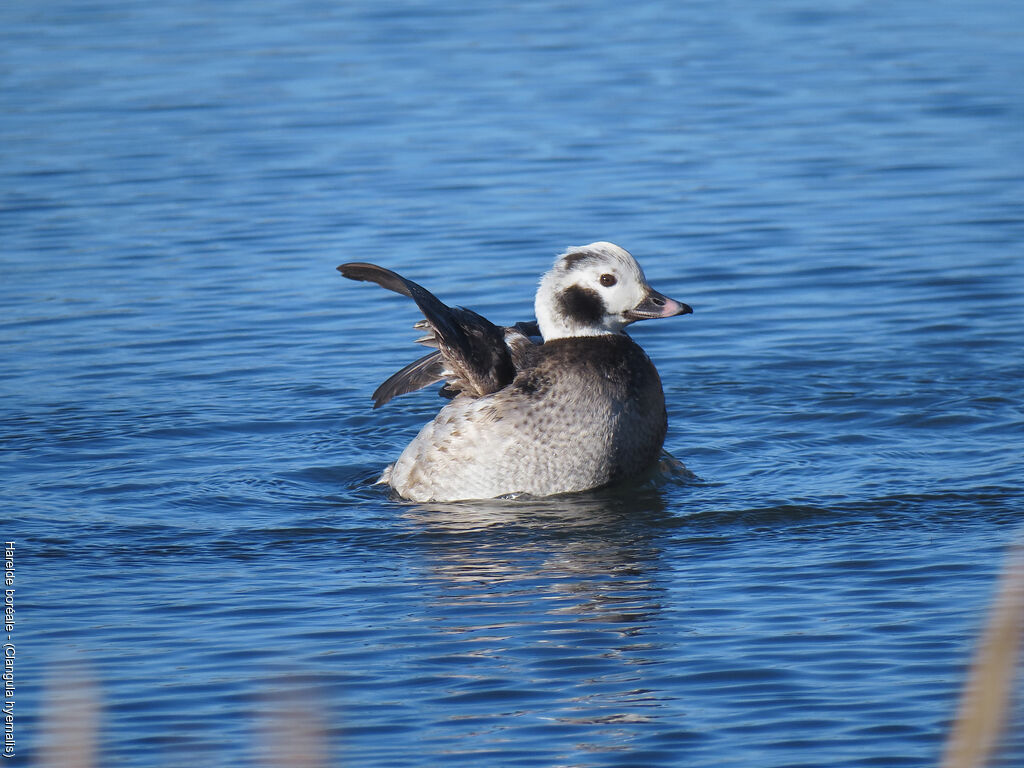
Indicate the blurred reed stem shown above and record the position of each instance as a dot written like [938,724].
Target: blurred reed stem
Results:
[988,692]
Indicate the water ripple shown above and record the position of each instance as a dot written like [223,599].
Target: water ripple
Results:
[189,448]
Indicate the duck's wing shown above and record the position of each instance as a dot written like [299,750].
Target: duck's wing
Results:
[522,340]
[473,356]
[416,375]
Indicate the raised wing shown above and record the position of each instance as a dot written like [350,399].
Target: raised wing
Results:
[473,357]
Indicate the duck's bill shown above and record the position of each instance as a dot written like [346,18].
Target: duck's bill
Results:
[656,305]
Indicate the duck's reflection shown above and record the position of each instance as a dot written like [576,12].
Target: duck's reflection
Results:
[557,599]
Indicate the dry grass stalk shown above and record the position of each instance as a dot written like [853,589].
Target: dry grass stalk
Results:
[294,735]
[987,694]
[71,724]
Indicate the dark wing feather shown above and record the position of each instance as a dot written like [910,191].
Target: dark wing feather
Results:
[530,329]
[422,373]
[474,358]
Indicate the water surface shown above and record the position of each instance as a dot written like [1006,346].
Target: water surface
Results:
[189,447]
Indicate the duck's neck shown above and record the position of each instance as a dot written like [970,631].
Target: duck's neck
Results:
[555,325]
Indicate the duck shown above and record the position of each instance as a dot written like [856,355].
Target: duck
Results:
[565,403]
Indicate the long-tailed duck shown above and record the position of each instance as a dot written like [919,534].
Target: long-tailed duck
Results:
[582,409]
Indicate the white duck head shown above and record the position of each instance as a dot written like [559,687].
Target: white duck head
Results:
[597,289]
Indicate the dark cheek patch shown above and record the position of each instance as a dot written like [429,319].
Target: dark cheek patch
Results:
[582,305]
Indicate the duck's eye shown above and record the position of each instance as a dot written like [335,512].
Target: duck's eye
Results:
[608,280]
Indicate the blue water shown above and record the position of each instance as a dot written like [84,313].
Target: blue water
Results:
[838,190]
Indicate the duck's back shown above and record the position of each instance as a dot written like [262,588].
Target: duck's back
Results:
[590,411]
